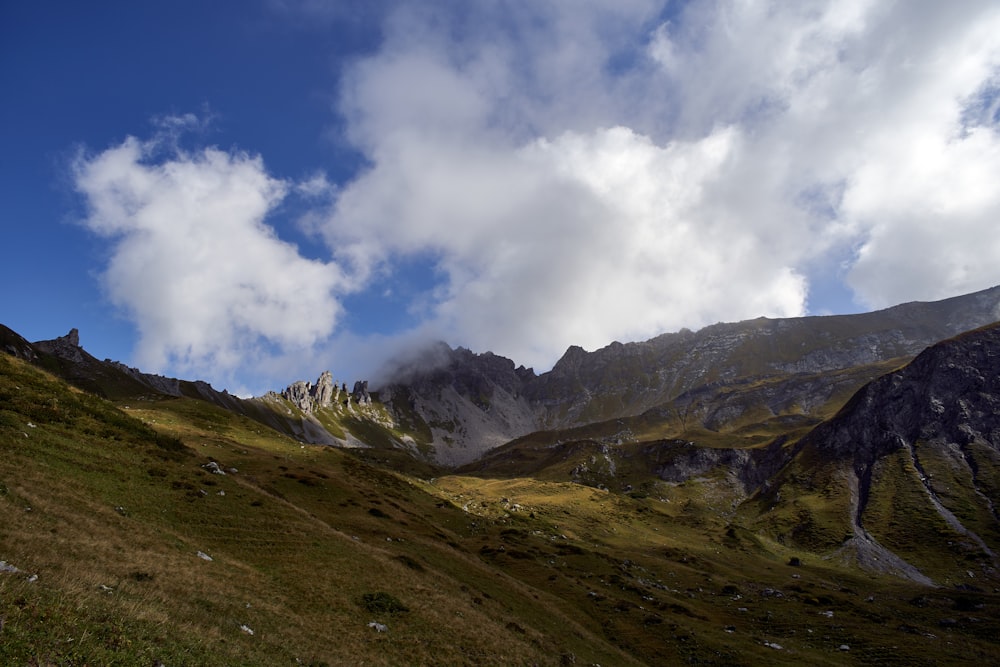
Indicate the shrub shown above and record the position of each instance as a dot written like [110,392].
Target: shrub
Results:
[382,603]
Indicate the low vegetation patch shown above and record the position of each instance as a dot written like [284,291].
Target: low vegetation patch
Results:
[382,603]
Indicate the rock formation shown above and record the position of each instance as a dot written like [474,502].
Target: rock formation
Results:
[64,347]
[360,393]
[310,397]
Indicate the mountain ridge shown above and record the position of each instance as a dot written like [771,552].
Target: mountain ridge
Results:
[627,379]
[451,406]
[820,516]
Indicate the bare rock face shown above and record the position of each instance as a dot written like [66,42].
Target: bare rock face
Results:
[65,347]
[310,397]
[474,402]
[470,402]
[300,394]
[326,391]
[360,393]
[949,393]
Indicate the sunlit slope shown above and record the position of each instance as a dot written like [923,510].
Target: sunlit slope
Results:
[112,514]
[311,544]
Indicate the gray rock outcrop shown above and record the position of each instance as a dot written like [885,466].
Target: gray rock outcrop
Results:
[64,347]
[310,397]
[360,393]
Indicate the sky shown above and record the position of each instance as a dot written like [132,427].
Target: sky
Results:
[251,192]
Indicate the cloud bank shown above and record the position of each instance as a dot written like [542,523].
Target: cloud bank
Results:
[584,172]
[599,172]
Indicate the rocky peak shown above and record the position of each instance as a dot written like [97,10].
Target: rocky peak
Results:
[309,397]
[438,365]
[64,347]
[300,394]
[326,391]
[360,393]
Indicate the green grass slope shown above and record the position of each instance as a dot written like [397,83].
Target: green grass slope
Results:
[308,547]
[107,508]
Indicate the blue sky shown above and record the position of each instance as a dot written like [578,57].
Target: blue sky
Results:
[253,192]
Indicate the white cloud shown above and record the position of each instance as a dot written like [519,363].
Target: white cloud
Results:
[571,237]
[577,240]
[595,172]
[868,102]
[207,283]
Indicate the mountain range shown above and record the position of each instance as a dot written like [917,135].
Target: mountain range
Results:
[868,445]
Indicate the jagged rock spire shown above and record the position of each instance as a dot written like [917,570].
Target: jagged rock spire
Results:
[309,397]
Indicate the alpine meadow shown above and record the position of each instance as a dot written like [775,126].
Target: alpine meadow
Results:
[512,333]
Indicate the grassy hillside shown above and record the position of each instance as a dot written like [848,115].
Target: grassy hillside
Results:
[112,506]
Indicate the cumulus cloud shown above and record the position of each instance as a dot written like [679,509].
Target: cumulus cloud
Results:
[208,284]
[885,110]
[613,170]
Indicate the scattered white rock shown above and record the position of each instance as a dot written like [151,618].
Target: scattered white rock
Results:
[378,627]
[773,645]
[221,493]
[204,556]
[214,468]
[33,578]
[245,628]
[106,589]
[844,647]
[828,614]
[7,567]
[30,425]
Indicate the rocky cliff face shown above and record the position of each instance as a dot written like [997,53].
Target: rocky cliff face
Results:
[949,393]
[716,375]
[310,397]
[918,453]
[469,402]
